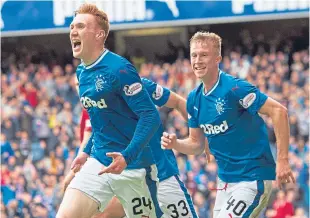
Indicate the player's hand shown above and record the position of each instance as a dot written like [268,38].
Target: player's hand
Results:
[117,166]
[79,161]
[168,141]
[284,172]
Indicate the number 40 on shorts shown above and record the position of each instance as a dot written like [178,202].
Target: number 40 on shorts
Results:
[238,208]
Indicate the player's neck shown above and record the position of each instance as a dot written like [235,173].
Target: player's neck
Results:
[93,57]
[210,80]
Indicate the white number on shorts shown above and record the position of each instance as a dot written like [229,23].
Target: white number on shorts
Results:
[175,210]
[236,211]
[140,201]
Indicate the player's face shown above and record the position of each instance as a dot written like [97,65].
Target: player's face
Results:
[83,30]
[204,58]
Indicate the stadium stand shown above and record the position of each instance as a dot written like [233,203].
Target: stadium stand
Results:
[40,113]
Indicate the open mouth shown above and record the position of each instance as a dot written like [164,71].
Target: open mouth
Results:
[76,44]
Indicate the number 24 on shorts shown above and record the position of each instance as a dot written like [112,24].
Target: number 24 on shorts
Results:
[138,202]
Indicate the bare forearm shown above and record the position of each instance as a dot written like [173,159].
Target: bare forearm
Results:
[189,146]
[87,135]
[177,102]
[181,107]
[282,132]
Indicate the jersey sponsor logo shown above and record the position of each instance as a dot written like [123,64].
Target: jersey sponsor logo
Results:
[88,102]
[99,81]
[132,89]
[248,100]
[219,105]
[158,93]
[214,129]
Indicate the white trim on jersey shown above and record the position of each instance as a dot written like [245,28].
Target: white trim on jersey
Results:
[98,60]
[216,84]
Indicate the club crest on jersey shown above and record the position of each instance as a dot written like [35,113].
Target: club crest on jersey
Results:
[99,81]
[219,105]
[132,89]
[158,93]
[248,100]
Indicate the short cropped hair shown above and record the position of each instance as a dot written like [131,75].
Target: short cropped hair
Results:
[215,39]
[101,17]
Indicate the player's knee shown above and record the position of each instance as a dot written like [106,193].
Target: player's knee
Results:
[107,214]
[64,214]
[65,211]
[102,215]
[76,212]
[76,204]
[70,214]
[61,216]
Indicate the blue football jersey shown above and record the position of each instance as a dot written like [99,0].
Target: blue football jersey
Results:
[237,135]
[165,160]
[111,91]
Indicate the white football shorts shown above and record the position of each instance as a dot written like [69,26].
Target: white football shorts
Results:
[174,199]
[243,199]
[136,189]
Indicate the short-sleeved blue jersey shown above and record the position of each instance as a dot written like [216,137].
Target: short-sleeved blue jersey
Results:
[111,91]
[237,135]
[165,160]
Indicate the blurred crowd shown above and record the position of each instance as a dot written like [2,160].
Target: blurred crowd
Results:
[40,113]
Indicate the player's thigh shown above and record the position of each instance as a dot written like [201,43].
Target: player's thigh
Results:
[221,197]
[113,210]
[248,199]
[77,204]
[174,199]
[95,186]
[137,192]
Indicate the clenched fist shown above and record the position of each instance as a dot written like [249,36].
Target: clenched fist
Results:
[168,141]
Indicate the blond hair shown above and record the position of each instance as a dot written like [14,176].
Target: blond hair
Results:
[101,16]
[215,39]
